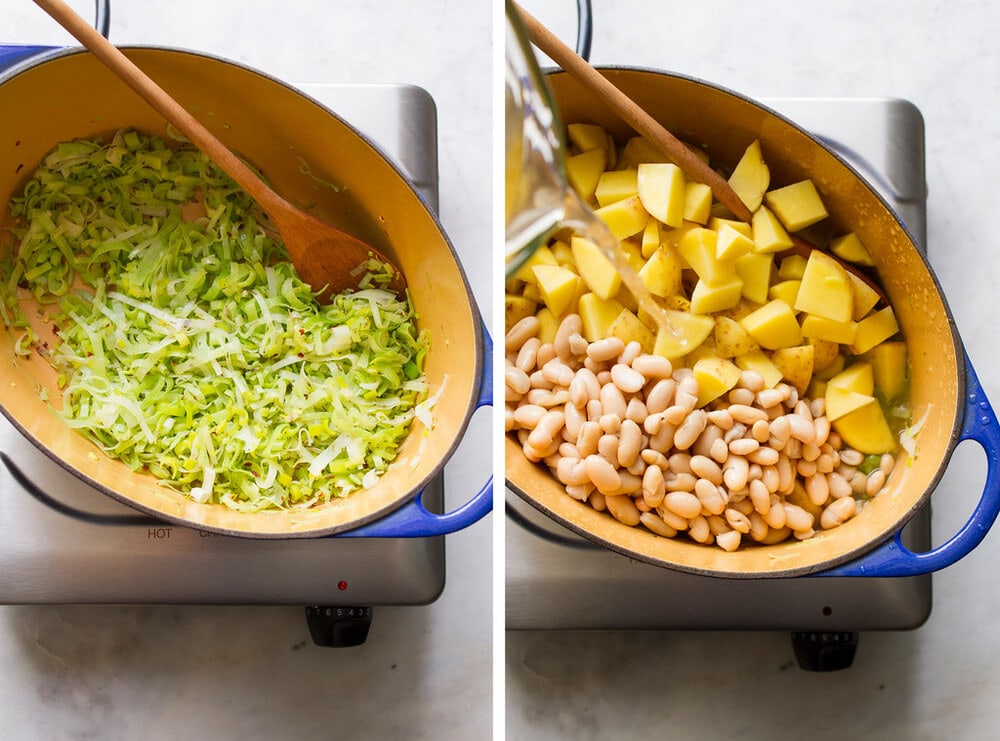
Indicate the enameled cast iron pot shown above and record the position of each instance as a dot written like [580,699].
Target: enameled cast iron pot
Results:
[945,393]
[63,95]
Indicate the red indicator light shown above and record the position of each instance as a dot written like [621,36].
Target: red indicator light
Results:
[342,585]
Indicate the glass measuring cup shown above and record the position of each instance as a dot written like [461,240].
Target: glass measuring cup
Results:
[539,200]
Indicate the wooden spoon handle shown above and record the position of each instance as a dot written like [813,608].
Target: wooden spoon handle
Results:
[165,105]
[632,114]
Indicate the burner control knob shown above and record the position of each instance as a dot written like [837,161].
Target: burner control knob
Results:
[824,651]
[337,627]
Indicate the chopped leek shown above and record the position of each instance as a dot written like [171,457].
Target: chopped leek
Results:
[190,348]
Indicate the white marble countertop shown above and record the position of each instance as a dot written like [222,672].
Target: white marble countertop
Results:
[225,672]
[941,680]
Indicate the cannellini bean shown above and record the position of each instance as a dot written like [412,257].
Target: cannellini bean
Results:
[517,380]
[760,497]
[527,415]
[573,419]
[837,513]
[751,380]
[636,411]
[736,472]
[630,443]
[802,429]
[581,492]
[876,480]
[682,503]
[741,396]
[672,518]
[653,487]
[690,429]
[653,366]
[626,378]
[520,332]
[822,425]
[508,418]
[703,445]
[610,423]
[747,414]
[654,523]
[706,468]
[737,520]
[569,326]
[797,518]
[775,515]
[623,509]
[606,349]
[818,489]
[851,457]
[612,400]
[631,484]
[632,350]
[572,472]
[597,501]
[729,541]
[607,447]
[527,354]
[717,524]
[767,398]
[764,456]
[744,446]
[887,463]
[761,431]
[699,530]
[710,496]
[558,373]
[655,458]
[547,429]
[663,439]
[578,344]
[719,452]
[679,481]
[587,438]
[602,473]
[839,488]
[758,528]
[722,419]
[661,395]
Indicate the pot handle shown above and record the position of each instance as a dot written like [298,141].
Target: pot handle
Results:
[893,558]
[413,520]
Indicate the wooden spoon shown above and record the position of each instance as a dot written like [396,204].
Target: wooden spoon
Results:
[322,254]
[651,129]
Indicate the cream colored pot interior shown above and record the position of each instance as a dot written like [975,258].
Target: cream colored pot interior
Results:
[726,123]
[282,132]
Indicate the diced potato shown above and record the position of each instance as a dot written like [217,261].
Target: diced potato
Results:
[583,171]
[651,238]
[821,328]
[595,269]
[773,325]
[531,292]
[597,315]
[662,191]
[717,222]
[548,324]
[708,298]
[616,185]
[768,233]
[824,353]
[632,249]
[624,218]
[859,378]
[732,244]
[865,297]
[757,360]
[692,330]
[850,248]
[542,256]
[697,202]
[792,267]
[796,365]
[797,205]
[698,247]
[751,177]
[873,329]
[833,368]
[826,290]
[731,339]
[586,136]
[563,254]
[841,401]
[628,328]
[662,272]
[638,151]
[889,367]
[755,272]
[517,308]
[715,377]
[866,430]
[558,286]
[786,290]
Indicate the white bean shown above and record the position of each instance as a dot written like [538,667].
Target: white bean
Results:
[690,429]
[520,332]
[527,354]
[682,503]
[602,473]
[606,349]
[837,513]
[626,378]
[653,366]
[654,523]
